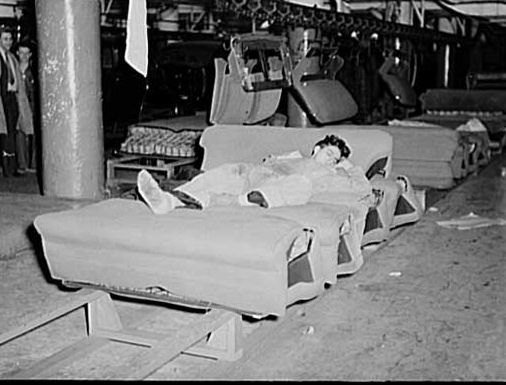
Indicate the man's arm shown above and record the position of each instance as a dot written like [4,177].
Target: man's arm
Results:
[287,155]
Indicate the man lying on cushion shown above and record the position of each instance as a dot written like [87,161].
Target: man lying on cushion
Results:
[283,180]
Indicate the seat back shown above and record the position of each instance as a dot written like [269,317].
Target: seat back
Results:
[238,143]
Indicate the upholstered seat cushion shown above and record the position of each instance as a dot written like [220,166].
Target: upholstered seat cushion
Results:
[423,142]
[236,257]
[227,256]
[326,218]
[429,155]
[340,228]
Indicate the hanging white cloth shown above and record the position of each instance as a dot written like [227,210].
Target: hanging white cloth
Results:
[136,52]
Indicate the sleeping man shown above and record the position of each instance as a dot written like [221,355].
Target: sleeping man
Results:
[283,180]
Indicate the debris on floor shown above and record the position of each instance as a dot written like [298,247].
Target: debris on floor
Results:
[471,221]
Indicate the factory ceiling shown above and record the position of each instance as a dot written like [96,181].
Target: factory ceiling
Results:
[486,10]
[370,15]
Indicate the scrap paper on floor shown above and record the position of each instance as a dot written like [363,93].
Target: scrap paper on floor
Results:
[471,221]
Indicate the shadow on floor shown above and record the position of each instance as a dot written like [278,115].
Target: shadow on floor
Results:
[26,184]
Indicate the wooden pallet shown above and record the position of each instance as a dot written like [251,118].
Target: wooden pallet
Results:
[125,168]
[216,333]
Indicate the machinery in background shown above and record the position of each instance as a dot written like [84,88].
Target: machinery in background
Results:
[179,81]
[181,73]
[486,80]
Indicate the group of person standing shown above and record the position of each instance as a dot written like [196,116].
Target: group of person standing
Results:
[18,144]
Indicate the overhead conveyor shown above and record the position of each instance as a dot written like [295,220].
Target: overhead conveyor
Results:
[285,13]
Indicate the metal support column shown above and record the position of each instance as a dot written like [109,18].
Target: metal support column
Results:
[68,34]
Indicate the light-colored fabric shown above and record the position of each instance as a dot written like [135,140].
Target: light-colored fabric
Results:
[251,144]
[231,104]
[439,175]
[409,207]
[494,123]
[327,219]
[233,257]
[435,143]
[286,190]
[284,181]
[231,179]
[430,155]
[472,125]
[136,51]
[25,121]
[327,100]
[469,134]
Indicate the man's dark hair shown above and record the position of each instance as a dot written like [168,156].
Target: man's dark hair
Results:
[5,28]
[26,43]
[332,140]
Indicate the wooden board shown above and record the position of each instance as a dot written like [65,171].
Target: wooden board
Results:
[215,333]
[125,169]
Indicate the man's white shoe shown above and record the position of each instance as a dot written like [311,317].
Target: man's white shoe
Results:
[159,201]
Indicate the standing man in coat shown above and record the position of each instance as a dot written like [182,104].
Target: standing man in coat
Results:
[24,53]
[16,119]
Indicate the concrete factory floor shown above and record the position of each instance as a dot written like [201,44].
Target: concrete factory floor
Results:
[429,304]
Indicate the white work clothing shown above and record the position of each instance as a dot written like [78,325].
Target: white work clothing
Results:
[282,181]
